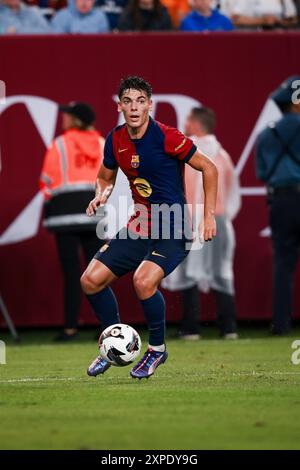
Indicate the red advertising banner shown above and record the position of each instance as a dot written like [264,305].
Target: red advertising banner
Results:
[232,73]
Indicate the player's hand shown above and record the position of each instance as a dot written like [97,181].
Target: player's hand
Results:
[99,200]
[210,227]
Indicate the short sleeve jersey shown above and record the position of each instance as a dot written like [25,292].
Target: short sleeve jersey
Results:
[154,164]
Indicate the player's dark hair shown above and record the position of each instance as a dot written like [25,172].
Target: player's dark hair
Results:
[135,83]
[207,117]
[133,11]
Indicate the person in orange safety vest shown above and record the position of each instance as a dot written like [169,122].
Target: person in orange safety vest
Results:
[209,268]
[67,181]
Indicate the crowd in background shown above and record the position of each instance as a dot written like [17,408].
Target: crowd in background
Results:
[102,16]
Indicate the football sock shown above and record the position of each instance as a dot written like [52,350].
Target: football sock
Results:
[155,312]
[160,348]
[105,306]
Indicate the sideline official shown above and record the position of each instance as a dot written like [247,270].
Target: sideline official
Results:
[278,165]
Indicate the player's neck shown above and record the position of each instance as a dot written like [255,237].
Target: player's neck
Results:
[137,132]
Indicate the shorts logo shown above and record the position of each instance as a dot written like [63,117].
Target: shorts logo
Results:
[104,248]
[135,161]
[154,253]
[143,187]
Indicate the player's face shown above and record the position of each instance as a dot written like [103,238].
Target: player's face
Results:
[135,106]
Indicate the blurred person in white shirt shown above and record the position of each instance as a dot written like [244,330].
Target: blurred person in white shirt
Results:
[209,268]
[260,14]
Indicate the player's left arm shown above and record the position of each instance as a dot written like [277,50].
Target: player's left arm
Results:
[181,147]
[209,171]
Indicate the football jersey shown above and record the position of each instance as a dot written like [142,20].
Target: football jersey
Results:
[154,165]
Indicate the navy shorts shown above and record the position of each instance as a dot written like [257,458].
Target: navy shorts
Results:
[124,254]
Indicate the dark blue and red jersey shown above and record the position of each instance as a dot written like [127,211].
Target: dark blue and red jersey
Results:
[154,164]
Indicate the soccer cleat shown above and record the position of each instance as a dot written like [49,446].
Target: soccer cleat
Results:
[99,366]
[147,365]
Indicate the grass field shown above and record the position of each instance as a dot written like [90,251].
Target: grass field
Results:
[209,395]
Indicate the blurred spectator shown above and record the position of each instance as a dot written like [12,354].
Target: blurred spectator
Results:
[260,13]
[145,15]
[212,267]
[18,18]
[278,166]
[68,184]
[205,18]
[177,9]
[297,4]
[80,17]
[113,10]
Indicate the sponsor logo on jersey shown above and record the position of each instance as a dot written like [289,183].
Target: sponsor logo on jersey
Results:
[143,187]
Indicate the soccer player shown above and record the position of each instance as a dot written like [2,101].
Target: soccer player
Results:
[152,156]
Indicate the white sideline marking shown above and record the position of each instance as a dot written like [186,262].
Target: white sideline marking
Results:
[88,380]
[43,379]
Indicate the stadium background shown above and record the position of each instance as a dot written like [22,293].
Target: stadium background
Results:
[233,74]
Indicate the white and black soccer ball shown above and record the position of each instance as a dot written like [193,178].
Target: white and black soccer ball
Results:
[120,344]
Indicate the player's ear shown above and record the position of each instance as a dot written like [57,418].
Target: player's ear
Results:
[119,107]
[151,105]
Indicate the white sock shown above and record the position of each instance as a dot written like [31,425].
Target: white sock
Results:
[160,348]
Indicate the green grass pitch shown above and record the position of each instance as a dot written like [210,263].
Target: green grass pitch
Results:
[210,394]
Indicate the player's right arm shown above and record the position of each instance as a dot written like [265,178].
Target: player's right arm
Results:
[104,185]
[106,178]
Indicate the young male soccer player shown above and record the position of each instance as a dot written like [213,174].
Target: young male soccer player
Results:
[152,156]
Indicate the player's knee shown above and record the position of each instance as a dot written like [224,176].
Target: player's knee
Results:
[144,287]
[90,284]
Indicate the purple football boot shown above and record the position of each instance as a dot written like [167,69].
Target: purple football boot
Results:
[99,366]
[147,365]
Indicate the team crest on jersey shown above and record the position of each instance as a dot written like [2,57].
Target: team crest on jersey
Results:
[135,161]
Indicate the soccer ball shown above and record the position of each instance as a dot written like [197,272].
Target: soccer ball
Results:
[120,344]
